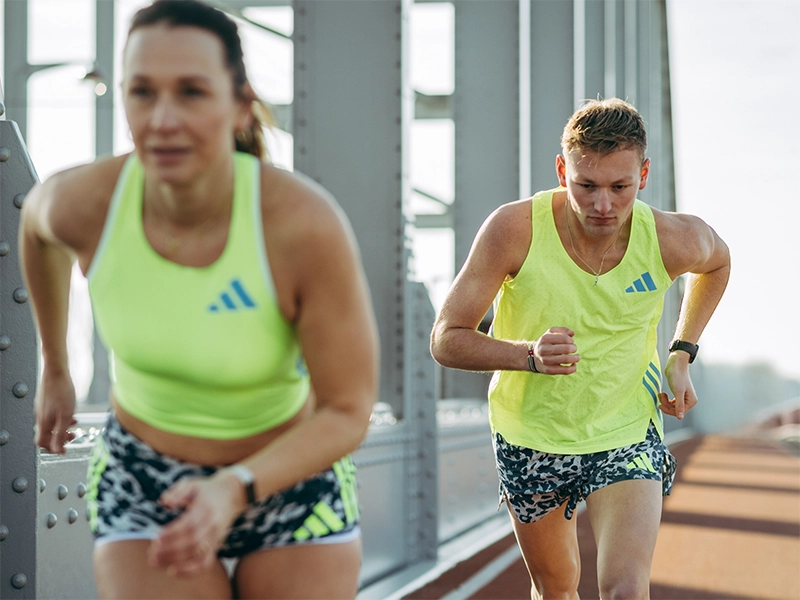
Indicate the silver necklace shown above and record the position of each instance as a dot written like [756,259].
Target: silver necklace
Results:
[575,252]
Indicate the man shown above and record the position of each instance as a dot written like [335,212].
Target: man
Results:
[578,275]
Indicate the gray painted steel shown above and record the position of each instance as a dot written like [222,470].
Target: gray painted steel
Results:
[487,136]
[103,145]
[18,371]
[397,464]
[467,475]
[552,94]
[594,50]
[486,114]
[64,541]
[352,111]
[15,52]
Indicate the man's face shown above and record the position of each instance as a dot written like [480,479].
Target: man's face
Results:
[601,188]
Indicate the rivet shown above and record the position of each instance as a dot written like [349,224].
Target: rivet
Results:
[62,491]
[18,199]
[19,580]
[19,485]
[5,342]
[4,437]
[3,532]
[42,485]
[81,490]
[72,515]
[5,248]
[50,520]
[20,390]
[5,154]
[20,295]
[88,514]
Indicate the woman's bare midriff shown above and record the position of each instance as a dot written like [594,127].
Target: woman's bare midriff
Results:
[204,451]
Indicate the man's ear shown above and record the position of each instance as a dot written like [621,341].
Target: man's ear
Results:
[644,173]
[561,170]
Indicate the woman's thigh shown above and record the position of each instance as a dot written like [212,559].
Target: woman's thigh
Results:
[324,571]
[121,571]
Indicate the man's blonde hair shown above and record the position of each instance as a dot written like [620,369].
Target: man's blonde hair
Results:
[605,126]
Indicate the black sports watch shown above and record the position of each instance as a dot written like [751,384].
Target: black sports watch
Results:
[688,347]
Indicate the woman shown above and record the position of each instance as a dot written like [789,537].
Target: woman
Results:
[226,290]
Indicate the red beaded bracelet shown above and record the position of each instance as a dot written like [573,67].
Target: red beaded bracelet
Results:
[532,360]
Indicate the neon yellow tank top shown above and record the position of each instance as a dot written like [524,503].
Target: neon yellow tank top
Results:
[202,352]
[610,400]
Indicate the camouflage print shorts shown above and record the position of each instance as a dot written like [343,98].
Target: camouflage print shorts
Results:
[126,478]
[536,483]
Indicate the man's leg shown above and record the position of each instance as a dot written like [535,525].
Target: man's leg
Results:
[550,549]
[625,517]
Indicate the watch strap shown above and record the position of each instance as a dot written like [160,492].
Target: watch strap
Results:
[688,347]
[248,480]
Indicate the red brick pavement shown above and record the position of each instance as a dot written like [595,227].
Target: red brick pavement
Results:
[730,530]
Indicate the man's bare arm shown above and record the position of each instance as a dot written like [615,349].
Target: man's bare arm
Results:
[690,246]
[499,250]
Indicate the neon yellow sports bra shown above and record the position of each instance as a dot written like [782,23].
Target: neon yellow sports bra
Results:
[202,352]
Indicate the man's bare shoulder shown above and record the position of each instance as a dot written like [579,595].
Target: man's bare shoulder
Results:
[510,222]
[503,240]
[688,244]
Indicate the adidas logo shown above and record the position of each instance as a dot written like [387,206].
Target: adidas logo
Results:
[645,283]
[233,299]
[641,462]
[322,521]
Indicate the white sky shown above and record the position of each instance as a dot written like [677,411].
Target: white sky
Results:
[734,76]
[735,66]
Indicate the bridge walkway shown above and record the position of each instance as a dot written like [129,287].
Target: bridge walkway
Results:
[730,530]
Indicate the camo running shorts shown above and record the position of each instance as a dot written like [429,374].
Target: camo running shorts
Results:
[126,478]
[536,483]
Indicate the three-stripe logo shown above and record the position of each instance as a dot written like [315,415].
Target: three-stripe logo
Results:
[641,462]
[232,299]
[645,283]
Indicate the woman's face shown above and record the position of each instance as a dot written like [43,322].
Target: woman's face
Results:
[180,102]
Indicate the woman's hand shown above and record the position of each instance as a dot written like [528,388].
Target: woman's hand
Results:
[189,544]
[55,409]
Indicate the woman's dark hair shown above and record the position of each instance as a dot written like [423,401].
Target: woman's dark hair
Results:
[192,13]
